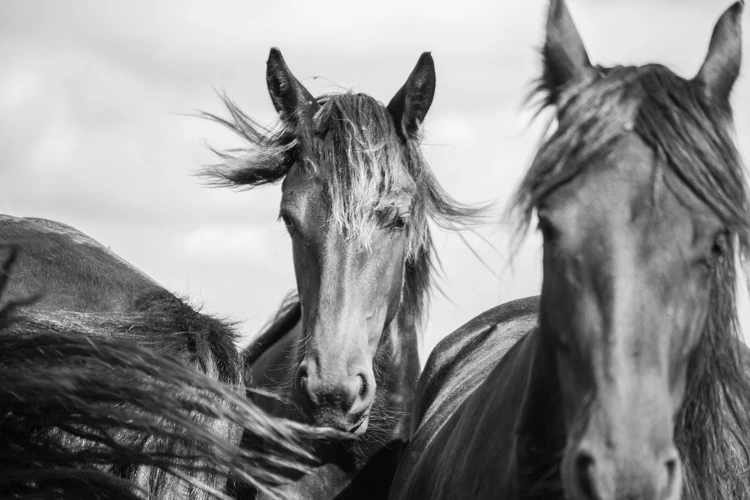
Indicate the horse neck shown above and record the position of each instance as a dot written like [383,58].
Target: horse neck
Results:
[397,368]
[397,360]
[540,428]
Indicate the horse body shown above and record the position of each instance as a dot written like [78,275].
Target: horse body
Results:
[80,285]
[69,270]
[93,409]
[632,379]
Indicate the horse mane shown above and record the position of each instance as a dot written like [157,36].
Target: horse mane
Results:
[164,323]
[82,410]
[367,167]
[693,136]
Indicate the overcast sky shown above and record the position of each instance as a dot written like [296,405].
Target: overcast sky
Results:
[93,98]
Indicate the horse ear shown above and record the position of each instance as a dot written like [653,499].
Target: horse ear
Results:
[410,104]
[722,64]
[291,99]
[564,55]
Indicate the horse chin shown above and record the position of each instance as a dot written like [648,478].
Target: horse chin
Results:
[343,423]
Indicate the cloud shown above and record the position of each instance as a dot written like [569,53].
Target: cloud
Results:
[90,95]
[17,88]
[226,243]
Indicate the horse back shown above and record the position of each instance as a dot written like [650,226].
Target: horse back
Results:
[68,270]
[452,392]
[83,287]
[470,352]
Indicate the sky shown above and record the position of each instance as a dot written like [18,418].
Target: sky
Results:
[96,131]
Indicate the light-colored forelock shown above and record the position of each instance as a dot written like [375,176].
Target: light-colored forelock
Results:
[365,166]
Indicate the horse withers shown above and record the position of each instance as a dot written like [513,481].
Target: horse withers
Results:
[628,380]
[356,200]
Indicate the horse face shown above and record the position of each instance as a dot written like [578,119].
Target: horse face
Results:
[629,256]
[625,296]
[347,204]
[349,294]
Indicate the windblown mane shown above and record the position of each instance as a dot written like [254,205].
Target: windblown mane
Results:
[366,166]
[693,137]
[82,407]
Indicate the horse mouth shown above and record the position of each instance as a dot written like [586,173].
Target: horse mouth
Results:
[360,427]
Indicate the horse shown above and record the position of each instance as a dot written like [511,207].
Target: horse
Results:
[627,377]
[357,196]
[115,388]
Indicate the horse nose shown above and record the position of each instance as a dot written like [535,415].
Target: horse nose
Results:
[598,478]
[341,401]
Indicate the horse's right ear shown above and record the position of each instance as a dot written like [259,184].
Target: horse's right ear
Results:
[291,99]
[410,104]
[564,55]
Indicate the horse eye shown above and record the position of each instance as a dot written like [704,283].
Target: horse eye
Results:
[719,250]
[721,245]
[288,223]
[399,222]
[549,232]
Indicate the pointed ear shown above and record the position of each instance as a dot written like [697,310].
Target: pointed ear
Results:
[722,64]
[563,55]
[291,99]
[410,104]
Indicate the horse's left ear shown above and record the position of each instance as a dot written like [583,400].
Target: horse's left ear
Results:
[564,56]
[722,64]
[410,104]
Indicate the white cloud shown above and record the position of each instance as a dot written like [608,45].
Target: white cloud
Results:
[232,243]
[16,88]
[448,129]
[56,145]
[90,134]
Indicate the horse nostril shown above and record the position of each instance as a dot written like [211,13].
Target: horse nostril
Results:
[673,477]
[362,386]
[584,475]
[302,378]
[303,387]
[671,467]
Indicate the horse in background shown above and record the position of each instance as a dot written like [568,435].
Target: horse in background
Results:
[357,197]
[627,378]
[115,388]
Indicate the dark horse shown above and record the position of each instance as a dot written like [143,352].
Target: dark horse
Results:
[112,387]
[625,379]
[357,197]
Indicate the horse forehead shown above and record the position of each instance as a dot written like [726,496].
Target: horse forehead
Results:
[300,189]
[626,172]
[631,184]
